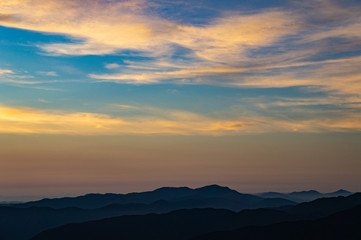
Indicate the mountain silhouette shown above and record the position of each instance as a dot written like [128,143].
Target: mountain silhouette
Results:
[177,225]
[212,196]
[341,225]
[34,217]
[304,196]
[324,206]
[165,193]
[185,224]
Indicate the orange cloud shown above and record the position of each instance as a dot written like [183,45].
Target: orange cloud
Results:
[5,71]
[220,51]
[34,121]
[28,120]
[125,25]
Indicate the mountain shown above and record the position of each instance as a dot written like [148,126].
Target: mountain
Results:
[323,206]
[177,225]
[166,193]
[340,192]
[304,196]
[34,217]
[185,224]
[342,225]
[212,196]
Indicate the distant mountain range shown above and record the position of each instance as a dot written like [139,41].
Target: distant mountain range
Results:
[222,197]
[303,196]
[240,200]
[36,216]
[188,224]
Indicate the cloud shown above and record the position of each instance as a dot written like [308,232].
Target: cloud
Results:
[22,82]
[124,107]
[126,25]
[5,71]
[14,78]
[117,24]
[49,74]
[336,76]
[156,76]
[112,65]
[228,39]
[28,120]
[6,18]
[270,48]
[34,121]
[352,102]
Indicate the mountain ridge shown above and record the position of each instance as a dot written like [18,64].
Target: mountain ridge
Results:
[185,224]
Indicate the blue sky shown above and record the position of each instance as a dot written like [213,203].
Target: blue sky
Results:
[243,62]
[254,59]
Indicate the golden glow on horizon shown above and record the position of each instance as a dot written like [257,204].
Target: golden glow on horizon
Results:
[29,120]
[49,164]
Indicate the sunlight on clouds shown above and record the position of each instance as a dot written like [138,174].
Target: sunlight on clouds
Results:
[21,82]
[154,76]
[305,45]
[116,24]
[104,28]
[5,71]
[352,102]
[227,39]
[112,65]
[341,76]
[49,74]
[28,120]
[12,78]
[34,121]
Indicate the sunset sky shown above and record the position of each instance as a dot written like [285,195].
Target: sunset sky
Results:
[131,95]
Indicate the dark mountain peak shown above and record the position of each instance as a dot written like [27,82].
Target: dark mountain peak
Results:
[271,193]
[171,189]
[341,191]
[310,192]
[213,187]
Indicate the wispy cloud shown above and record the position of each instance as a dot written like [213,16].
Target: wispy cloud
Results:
[49,74]
[5,71]
[308,46]
[124,107]
[14,78]
[124,25]
[29,120]
[112,65]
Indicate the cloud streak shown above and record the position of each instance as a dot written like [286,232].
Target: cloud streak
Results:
[217,52]
[35,121]
[5,71]
[124,25]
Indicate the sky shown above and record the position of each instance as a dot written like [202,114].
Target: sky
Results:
[131,95]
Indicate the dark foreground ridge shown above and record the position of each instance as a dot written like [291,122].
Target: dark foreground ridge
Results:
[342,225]
[188,224]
